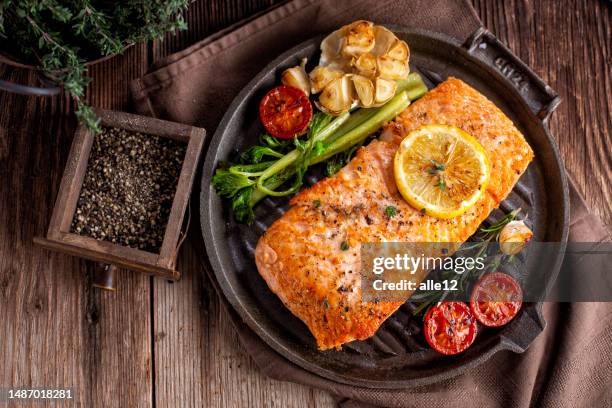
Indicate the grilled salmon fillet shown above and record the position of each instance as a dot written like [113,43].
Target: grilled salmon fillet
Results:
[310,257]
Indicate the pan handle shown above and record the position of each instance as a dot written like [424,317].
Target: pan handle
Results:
[540,97]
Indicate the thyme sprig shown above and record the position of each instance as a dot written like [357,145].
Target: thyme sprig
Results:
[477,247]
[60,36]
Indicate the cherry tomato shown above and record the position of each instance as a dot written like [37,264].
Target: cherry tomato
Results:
[285,112]
[496,299]
[450,327]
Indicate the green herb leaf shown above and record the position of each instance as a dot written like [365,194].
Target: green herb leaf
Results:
[333,165]
[255,154]
[441,183]
[228,184]
[391,211]
[437,165]
[344,246]
[273,142]
[242,207]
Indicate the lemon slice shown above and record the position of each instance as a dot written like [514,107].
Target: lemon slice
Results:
[441,170]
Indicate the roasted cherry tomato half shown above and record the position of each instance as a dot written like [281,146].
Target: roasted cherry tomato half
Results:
[285,112]
[496,299]
[450,327]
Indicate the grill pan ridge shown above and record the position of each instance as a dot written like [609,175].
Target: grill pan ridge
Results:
[397,355]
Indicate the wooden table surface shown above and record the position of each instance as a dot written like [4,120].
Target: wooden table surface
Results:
[153,343]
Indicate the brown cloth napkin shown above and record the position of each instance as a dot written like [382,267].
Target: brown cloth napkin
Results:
[569,364]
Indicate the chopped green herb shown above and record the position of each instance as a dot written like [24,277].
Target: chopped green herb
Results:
[326,303]
[441,183]
[344,246]
[317,203]
[423,210]
[391,211]
[437,169]
[437,165]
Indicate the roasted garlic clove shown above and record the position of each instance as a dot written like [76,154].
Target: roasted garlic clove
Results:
[364,89]
[513,237]
[384,39]
[331,47]
[389,68]
[359,38]
[398,51]
[366,65]
[384,90]
[321,76]
[337,97]
[297,77]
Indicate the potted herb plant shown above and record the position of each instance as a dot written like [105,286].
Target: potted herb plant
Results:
[61,39]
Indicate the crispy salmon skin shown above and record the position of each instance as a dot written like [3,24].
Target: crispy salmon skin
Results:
[310,257]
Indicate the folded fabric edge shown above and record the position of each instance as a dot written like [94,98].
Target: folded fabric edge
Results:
[209,47]
[174,57]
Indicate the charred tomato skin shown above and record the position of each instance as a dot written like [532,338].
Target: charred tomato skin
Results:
[496,312]
[285,112]
[450,327]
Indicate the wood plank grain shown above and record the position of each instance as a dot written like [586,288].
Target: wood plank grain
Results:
[570,47]
[56,330]
[198,359]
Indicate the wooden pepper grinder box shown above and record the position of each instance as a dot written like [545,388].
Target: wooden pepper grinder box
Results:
[111,255]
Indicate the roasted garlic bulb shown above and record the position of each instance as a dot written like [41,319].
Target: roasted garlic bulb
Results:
[368,58]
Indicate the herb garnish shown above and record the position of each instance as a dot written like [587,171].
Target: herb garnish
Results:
[438,169]
[344,246]
[478,248]
[317,203]
[441,183]
[391,211]
[437,166]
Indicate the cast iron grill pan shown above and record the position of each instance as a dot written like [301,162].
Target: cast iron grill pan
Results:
[397,355]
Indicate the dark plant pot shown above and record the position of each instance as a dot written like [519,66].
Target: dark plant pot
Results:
[48,86]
